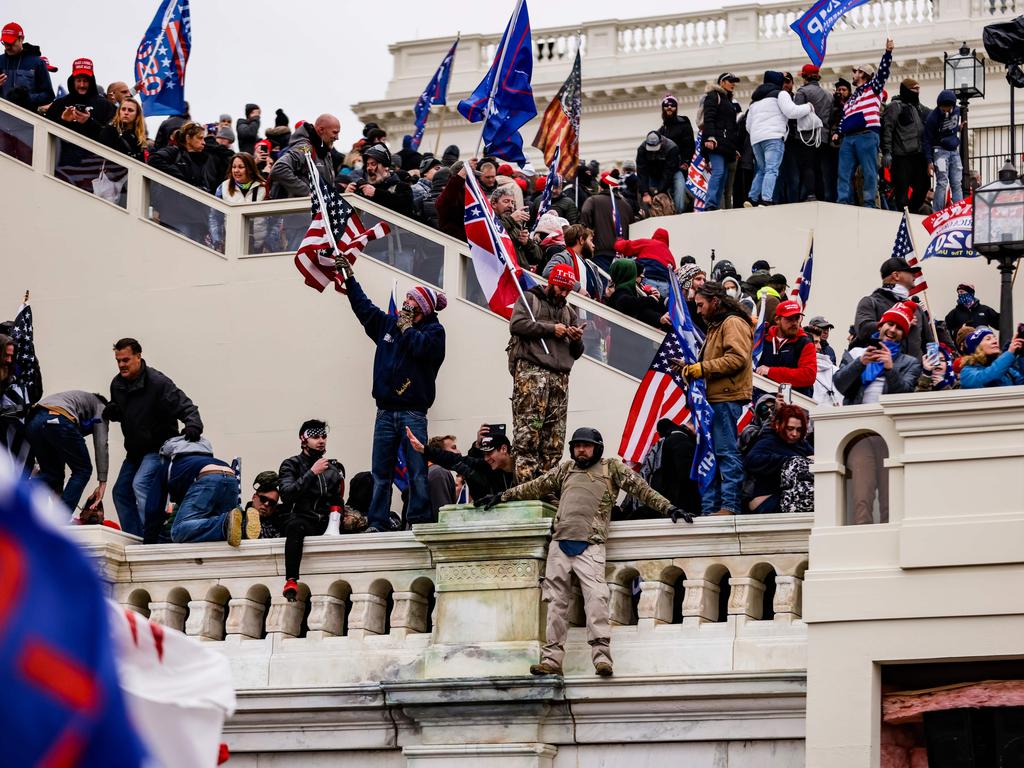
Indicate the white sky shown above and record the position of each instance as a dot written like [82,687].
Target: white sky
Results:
[304,57]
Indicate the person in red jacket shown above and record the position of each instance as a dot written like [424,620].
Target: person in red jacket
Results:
[653,257]
[788,355]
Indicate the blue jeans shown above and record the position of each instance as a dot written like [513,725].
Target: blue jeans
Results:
[724,491]
[131,489]
[949,172]
[57,443]
[388,433]
[716,184]
[859,149]
[202,514]
[679,191]
[768,155]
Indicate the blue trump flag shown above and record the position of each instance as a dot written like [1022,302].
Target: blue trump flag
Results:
[62,701]
[504,98]
[162,57]
[436,92]
[689,338]
[813,27]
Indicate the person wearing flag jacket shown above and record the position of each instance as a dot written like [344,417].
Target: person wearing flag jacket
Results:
[897,280]
[546,340]
[410,351]
[788,355]
[861,127]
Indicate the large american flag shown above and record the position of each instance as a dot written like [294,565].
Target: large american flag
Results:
[560,125]
[903,248]
[315,257]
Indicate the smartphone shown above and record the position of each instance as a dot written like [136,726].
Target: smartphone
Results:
[874,345]
[263,144]
[496,429]
[786,390]
[83,108]
[932,349]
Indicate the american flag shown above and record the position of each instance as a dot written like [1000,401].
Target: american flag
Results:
[698,176]
[161,59]
[903,248]
[802,290]
[315,257]
[560,125]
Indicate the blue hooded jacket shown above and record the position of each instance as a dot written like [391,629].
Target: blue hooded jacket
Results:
[942,131]
[28,79]
[1007,370]
[406,364]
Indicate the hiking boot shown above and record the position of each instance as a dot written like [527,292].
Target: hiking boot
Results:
[234,527]
[722,512]
[252,523]
[291,590]
[603,669]
[545,668]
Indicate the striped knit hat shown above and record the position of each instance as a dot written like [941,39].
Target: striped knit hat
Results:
[427,299]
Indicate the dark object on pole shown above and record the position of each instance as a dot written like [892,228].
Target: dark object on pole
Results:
[1004,42]
[998,235]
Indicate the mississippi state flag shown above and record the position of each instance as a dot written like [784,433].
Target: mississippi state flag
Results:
[494,256]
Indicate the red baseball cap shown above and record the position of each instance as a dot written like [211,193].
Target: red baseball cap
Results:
[788,309]
[12,31]
[808,70]
[82,67]
[563,276]
[49,66]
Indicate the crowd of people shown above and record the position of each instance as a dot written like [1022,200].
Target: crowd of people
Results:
[791,144]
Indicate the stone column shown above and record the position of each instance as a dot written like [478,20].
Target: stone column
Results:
[655,606]
[285,618]
[168,614]
[326,617]
[368,615]
[205,620]
[788,598]
[245,618]
[409,614]
[700,601]
[489,619]
[746,597]
[620,604]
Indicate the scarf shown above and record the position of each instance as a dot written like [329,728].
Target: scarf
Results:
[873,370]
[965,300]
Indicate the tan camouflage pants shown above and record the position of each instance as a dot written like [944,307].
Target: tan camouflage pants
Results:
[540,401]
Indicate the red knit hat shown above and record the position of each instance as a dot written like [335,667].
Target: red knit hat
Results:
[902,314]
[563,276]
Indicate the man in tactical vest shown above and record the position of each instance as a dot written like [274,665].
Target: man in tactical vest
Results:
[587,487]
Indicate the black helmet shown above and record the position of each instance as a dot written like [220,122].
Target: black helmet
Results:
[380,153]
[587,435]
[723,269]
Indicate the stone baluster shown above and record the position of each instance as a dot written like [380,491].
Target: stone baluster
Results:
[284,619]
[788,598]
[368,615]
[700,601]
[655,606]
[168,614]
[326,617]
[205,620]
[409,614]
[245,618]
[746,597]
[620,604]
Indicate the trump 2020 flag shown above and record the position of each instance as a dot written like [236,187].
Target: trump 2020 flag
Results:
[504,98]
[952,231]
[436,92]
[704,462]
[162,57]
[698,176]
[494,256]
[813,27]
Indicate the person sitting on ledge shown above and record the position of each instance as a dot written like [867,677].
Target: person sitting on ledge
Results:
[983,365]
[587,486]
[778,465]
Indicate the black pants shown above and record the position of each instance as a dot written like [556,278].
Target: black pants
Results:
[813,162]
[910,175]
[295,531]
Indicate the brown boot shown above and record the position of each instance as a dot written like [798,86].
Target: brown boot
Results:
[603,668]
[722,512]
[545,668]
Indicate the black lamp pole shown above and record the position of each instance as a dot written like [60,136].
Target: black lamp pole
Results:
[1007,261]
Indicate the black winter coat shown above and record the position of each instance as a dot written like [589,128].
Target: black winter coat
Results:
[194,168]
[720,122]
[392,193]
[655,170]
[216,169]
[100,113]
[978,314]
[483,481]
[637,305]
[125,142]
[307,495]
[764,462]
[680,131]
[149,409]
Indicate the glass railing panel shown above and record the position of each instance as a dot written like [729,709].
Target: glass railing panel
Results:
[186,215]
[279,233]
[77,166]
[16,138]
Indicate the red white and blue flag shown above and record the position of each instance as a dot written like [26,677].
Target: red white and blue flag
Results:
[813,27]
[952,231]
[161,59]
[802,290]
[436,93]
[494,255]
[903,248]
[698,176]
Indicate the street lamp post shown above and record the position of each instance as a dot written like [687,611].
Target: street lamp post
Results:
[965,76]
[998,235]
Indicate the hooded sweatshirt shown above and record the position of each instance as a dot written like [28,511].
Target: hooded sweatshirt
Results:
[771,108]
[941,131]
[100,110]
[652,254]
[28,80]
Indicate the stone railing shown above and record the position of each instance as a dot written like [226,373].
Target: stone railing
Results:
[461,598]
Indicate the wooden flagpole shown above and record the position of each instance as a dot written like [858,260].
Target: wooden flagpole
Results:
[440,129]
[924,293]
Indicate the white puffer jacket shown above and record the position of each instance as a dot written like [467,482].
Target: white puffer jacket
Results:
[768,118]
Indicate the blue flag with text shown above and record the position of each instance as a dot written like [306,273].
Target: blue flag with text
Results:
[813,27]
[436,93]
[162,57]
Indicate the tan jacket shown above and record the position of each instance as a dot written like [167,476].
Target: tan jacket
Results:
[586,497]
[725,360]
[527,334]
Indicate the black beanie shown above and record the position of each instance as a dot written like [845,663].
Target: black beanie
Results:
[281,119]
[249,108]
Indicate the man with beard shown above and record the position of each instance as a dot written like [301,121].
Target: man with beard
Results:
[578,255]
[83,110]
[290,175]
[587,486]
[380,184]
[546,341]
[679,130]
[528,253]
[312,488]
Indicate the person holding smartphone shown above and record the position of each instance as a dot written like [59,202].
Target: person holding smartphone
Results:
[84,110]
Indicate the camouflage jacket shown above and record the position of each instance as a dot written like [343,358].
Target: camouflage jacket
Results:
[586,496]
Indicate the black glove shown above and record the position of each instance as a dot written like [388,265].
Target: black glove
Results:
[675,513]
[111,412]
[488,502]
[192,434]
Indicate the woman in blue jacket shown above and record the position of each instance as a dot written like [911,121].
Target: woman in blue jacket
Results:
[984,366]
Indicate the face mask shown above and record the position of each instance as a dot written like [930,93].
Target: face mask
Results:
[733,292]
[900,290]
[965,299]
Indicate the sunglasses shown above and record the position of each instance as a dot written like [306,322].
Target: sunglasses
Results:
[267,500]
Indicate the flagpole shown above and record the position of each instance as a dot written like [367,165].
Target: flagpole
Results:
[497,74]
[440,129]
[924,293]
[314,177]
[471,180]
[576,181]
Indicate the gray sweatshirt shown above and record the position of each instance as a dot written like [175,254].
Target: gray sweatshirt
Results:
[86,410]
